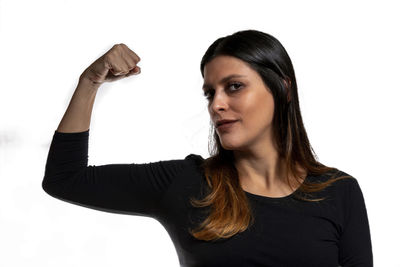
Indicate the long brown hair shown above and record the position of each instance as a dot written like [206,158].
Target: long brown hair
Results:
[230,212]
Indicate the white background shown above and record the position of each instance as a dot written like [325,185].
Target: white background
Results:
[345,55]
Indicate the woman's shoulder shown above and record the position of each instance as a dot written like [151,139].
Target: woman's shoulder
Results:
[195,160]
[195,157]
[341,176]
[343,186]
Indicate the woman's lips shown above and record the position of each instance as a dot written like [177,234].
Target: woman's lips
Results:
[226,126]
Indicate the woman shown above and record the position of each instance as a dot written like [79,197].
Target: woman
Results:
[261,199]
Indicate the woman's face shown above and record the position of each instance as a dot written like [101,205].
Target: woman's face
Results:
[244,98]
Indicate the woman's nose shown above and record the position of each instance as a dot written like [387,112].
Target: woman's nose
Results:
[219,101]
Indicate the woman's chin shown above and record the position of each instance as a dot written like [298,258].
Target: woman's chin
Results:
[229,145]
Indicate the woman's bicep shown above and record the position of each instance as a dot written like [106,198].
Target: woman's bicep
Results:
[120,188]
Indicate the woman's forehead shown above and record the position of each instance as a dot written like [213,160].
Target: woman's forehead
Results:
[223,66]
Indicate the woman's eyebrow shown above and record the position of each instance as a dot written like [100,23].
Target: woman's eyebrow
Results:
[208,86]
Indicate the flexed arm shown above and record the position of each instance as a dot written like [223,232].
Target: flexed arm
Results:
[117,63]
[121,188]
[135,189]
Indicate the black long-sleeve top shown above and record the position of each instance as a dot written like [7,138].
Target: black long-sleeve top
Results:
[286,231]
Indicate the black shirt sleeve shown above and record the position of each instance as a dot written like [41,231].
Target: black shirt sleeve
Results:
[119,188]
[355,248]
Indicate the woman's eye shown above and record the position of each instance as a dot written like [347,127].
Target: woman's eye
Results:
[207,94]
[235,85]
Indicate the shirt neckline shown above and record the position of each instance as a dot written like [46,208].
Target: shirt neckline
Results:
[269,199]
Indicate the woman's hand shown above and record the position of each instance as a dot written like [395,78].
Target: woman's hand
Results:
[117,63]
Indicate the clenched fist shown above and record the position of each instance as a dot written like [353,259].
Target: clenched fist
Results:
[117,63]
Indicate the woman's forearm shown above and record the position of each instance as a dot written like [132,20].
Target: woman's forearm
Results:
[117,63]
[78,114]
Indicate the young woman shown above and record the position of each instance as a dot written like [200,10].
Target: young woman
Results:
[260,199]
